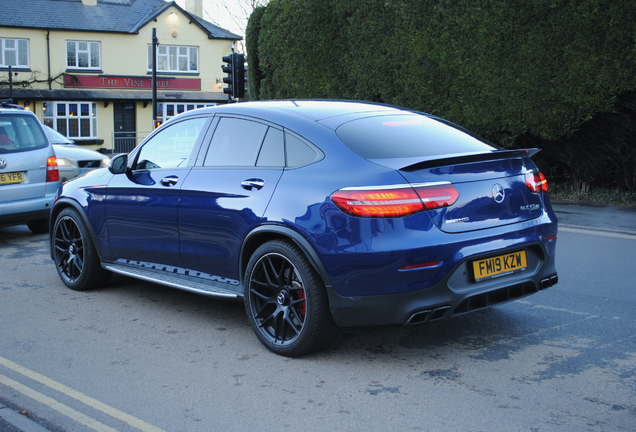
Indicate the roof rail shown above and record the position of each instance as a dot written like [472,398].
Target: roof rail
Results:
[8,103]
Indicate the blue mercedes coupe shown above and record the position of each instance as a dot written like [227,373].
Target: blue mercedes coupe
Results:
[316,214]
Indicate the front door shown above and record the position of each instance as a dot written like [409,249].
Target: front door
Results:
[125,127]
[141,205]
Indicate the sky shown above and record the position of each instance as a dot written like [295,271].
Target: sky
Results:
[227,14]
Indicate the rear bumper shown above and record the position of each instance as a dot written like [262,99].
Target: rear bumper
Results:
[25,211]
[441,300]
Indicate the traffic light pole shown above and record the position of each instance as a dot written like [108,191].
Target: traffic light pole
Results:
[155,42]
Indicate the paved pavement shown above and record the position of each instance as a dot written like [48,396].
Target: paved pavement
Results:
[593,216]
[571,215]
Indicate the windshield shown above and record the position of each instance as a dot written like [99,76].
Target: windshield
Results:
[55,137]
[20,133]
[408,136]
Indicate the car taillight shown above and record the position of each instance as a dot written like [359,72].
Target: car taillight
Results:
[437,195]
[52,174]
[393,201]
[536,182]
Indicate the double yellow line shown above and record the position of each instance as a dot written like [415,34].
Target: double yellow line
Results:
[66,410]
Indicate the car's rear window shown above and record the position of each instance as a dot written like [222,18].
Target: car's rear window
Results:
[407,136]
[19,133]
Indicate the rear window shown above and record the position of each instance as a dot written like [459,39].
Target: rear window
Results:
[19,133]
[407,136]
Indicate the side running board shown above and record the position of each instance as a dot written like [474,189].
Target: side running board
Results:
[179,280]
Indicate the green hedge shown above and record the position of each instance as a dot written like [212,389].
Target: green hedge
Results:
[499,67]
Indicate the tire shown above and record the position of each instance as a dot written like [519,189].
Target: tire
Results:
[40,226]
[76,258]
[286,301]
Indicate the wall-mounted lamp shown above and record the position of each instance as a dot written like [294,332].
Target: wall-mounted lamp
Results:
[219,83]
[173,16]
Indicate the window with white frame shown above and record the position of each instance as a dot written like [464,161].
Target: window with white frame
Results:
[75,120]
[165,111]
[83,55]
[14,52]
[171,58]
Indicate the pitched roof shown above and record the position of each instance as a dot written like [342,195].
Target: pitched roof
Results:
[108,16]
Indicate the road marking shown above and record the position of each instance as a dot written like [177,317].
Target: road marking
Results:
[57,406]
[599,233]
[87,400]
[558,309]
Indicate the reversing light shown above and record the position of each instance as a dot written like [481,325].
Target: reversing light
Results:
[536,182]
[52,173]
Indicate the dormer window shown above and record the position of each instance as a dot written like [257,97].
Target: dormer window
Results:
[83,55]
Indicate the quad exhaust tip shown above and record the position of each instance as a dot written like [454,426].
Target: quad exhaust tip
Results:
[428,315]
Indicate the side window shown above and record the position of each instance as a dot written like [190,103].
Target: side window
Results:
[272,152]
[299,153]
[171,147]
[236,142]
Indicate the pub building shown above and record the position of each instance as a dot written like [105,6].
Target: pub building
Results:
[84,67]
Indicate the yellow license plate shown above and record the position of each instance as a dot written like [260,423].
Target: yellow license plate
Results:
[500,266]
[12,177]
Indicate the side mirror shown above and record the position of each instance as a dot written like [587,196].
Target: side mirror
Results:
[119,164]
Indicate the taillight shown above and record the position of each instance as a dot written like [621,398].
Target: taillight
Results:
[394,201]
[536,182]
[52,174]
[437,195]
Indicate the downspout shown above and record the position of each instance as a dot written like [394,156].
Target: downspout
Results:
[48,53]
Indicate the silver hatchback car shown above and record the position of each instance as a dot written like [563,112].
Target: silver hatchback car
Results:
[29,177]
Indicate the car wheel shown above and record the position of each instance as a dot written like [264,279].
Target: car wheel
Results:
[39,226]
[286,301]
[74,253]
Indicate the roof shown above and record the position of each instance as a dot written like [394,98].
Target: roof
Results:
[108,16]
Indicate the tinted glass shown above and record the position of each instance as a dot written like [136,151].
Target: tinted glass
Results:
[273,149]
[407,136]
[236,142]
[171,147]
[299,153]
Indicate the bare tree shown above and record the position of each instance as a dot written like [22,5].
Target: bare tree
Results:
[238,11]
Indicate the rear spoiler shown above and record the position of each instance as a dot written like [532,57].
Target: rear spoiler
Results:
[477,157]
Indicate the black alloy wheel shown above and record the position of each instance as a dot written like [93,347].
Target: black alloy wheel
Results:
[286,301]
[76,259]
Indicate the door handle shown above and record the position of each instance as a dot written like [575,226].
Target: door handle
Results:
[253,183]
[170,180]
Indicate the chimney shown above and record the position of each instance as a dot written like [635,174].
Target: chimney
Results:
[195,7]
[89,2]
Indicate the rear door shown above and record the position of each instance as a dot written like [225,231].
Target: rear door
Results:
[227,192]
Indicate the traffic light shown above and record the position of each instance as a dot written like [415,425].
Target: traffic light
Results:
[229,70]
[241,79]
[235,79]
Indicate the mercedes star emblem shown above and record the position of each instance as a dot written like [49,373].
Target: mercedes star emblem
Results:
[498,193]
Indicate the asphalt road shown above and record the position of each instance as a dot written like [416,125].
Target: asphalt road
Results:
[137,356]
